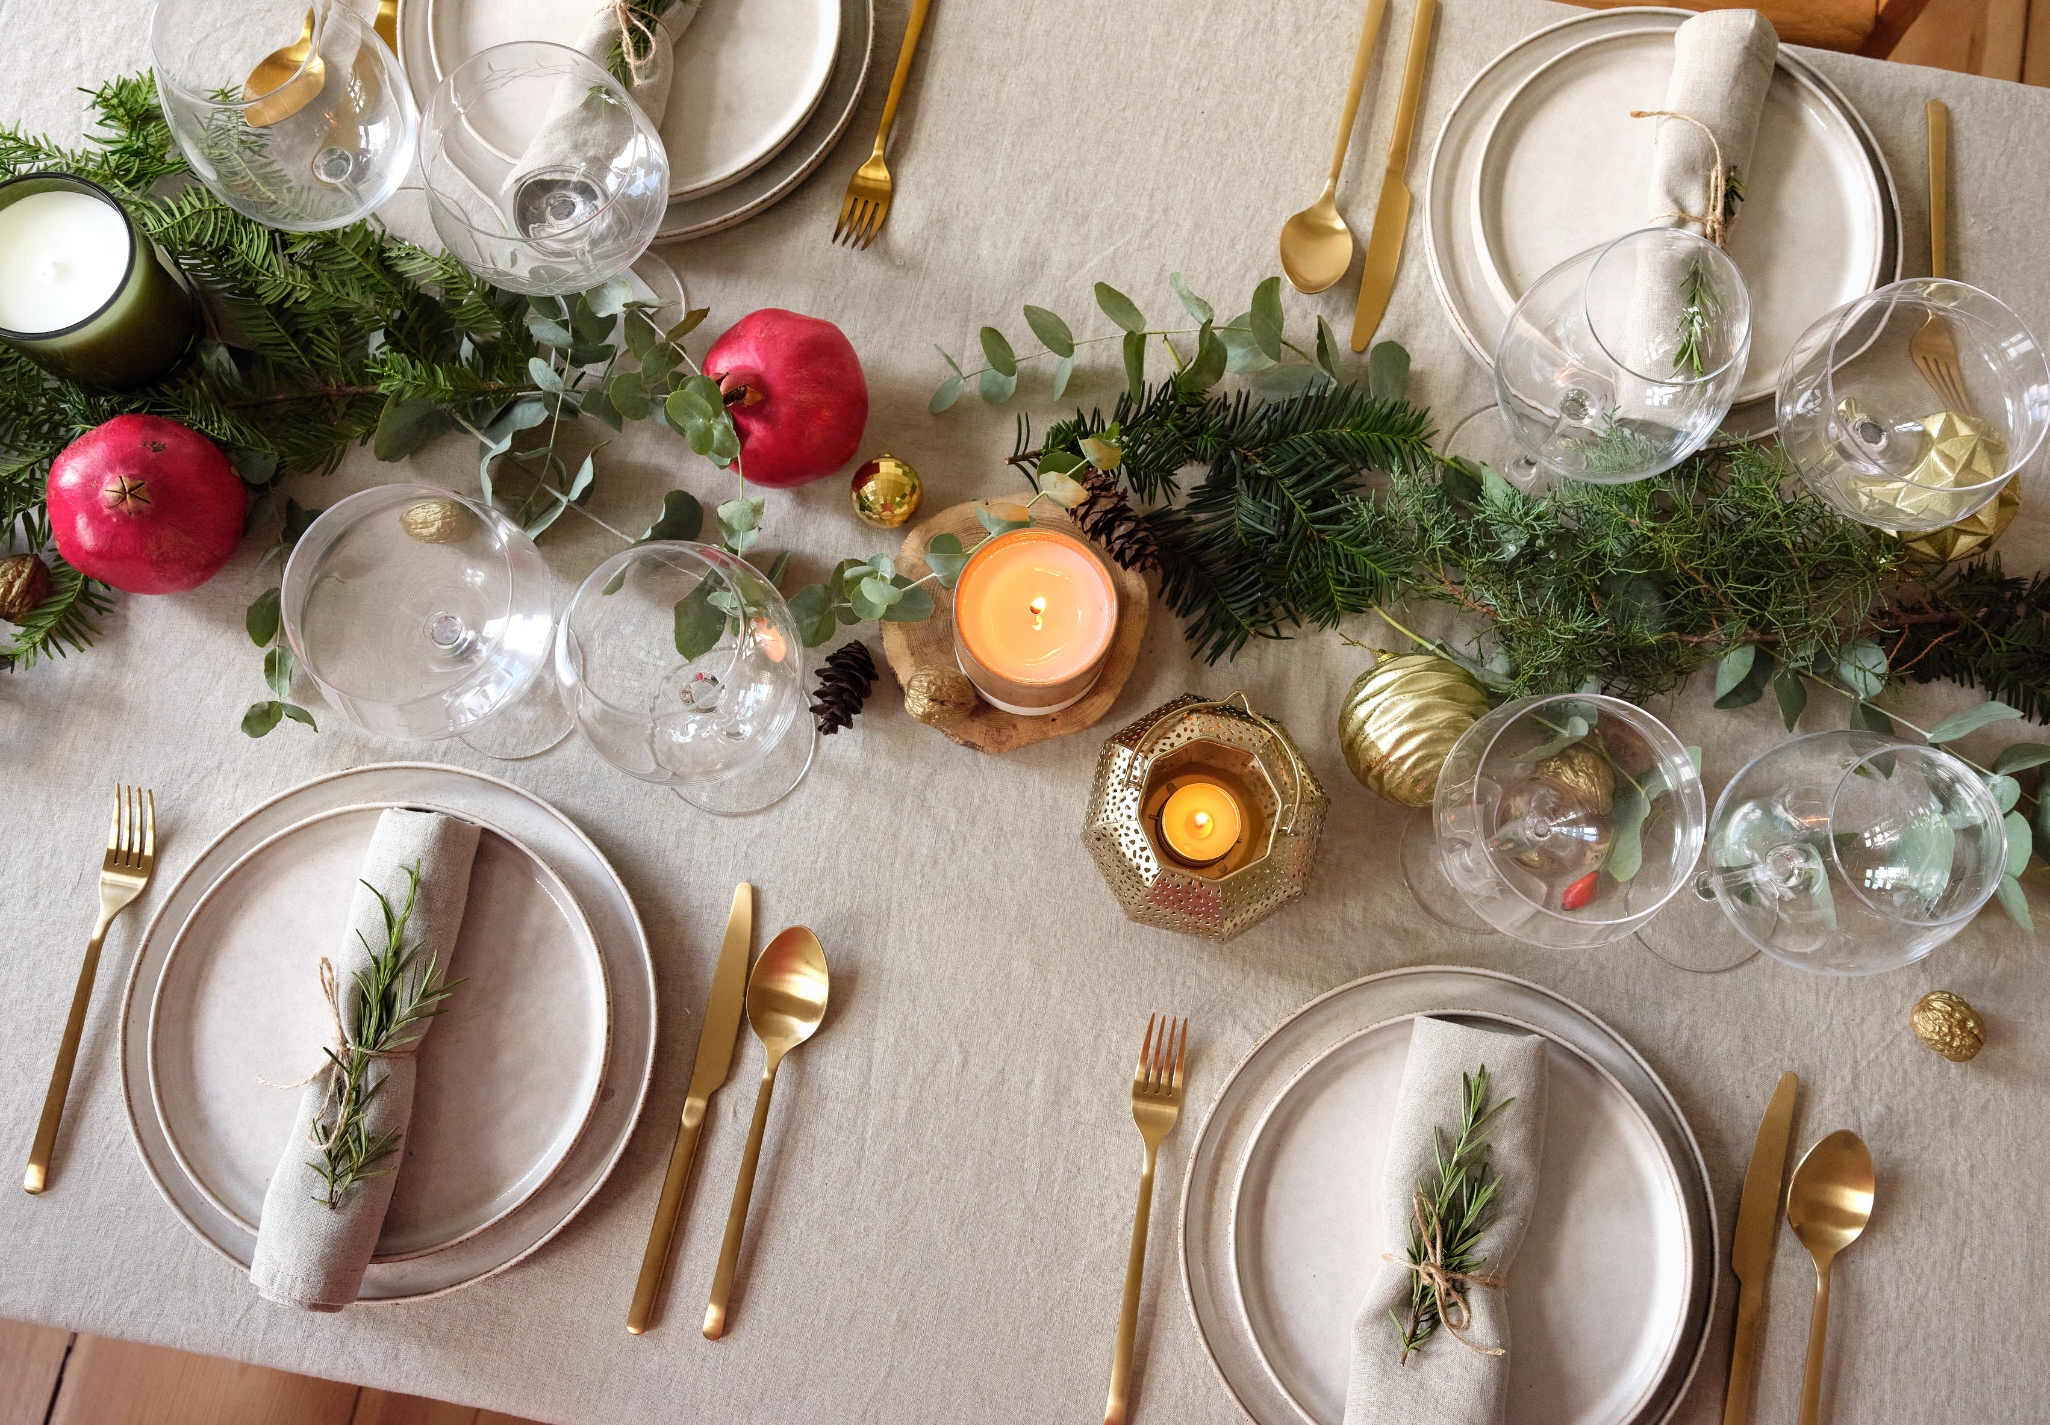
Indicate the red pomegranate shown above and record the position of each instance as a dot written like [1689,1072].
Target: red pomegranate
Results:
[803,398]
[146,505]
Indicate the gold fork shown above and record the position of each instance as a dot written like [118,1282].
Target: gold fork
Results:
[1156,1104]
[1933,347]
[131,852]
[868,192]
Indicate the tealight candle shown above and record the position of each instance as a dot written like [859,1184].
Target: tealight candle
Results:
[1034,611]
[82,293]
[1201,822]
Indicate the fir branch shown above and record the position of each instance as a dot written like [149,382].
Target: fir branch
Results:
[61,623]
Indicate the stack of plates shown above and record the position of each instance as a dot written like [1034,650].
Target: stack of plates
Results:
[763,88]
[1613,1288]
[1540,160]
[528,1087]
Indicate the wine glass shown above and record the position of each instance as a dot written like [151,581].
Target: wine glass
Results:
[1484,437]
[1910,407]
[682,666]
[1622,362]
[1565,821]
[419,613]
[302,148]
[1849,853]
[542,175]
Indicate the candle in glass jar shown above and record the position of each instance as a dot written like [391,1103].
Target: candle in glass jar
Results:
[1034,611]
[1200,822]
[82,293]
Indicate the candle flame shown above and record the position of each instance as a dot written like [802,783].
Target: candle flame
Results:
[1038,607]
[1202,820]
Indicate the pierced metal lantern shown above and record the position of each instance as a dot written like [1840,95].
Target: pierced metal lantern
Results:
[1276,801]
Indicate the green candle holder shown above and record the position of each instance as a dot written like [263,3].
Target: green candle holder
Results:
[143,330]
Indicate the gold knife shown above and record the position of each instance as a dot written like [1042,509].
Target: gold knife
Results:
[715,1057]
[1391,214]
[1758,1220]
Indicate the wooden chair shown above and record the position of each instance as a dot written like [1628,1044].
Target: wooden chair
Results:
[1868,27]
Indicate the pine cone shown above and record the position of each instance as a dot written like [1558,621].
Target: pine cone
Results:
[843,686]
[24,583]
[1108,518]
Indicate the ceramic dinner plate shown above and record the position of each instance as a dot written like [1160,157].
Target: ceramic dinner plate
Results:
[1615,1281]
[551,923]
[1539,160]
[507,1078]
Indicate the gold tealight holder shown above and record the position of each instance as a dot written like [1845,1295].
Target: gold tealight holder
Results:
[1240,770]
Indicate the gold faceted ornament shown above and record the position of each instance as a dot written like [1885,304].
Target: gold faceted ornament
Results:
[886,492]
[937,694]
[437,521]
[24,583]
[1400,720]
[1961,453]
[1948,1025]
[1971,536]
[1281,805]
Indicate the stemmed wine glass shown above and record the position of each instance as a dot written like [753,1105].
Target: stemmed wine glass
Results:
[542,175]
[1565,821]
[1621,362]
[682,666]
[292,113]
[421,614]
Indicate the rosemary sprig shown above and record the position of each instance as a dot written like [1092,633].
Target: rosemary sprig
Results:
[394,993]
[1697,306]
[1455,1208]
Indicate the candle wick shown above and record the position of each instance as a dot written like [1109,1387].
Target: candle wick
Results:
[1038,607]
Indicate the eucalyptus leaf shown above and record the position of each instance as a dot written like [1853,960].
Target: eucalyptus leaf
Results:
[1119,308]
[699,625]
[1626,836]
[592,354]
[1733,667]
[863,608]
[994,387]
[1750,687]
[640,335]
[548,331]
[1327,349]
[1388,371]
[996,350]
[261,718]
[2021,756]
[580,483]
[1051,331]
[1135,363]
[1242,353]
[995,523]
[2006,791]
[1570,732]
[628,393]
[598,406]
[1208,367]
[682,518]
[1790,691]
[1969,720]
[544,375]
[1265,318]
[742,514]
[880,593]
[1281,383]
[945,557]
[814,614]
[2018,844]
[955,365]
[299,714]
[1862,666]
[1867,718]
[1195,306]
[2015,901]
[610,297]
[277,670]
[948,392]
[692,320]
[725,438]
[406,425]
[914,604]
[262,618]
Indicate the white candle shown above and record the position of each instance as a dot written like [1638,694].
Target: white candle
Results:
[62,256]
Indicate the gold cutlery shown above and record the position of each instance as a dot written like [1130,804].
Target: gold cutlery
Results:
[868,192]
[1758,1220]
[1933,347]
[1316,245]
[1828,1204]
[278,85]
[1156,1104]
[1391,214]
[716,1038]
[131,853]
[786,999]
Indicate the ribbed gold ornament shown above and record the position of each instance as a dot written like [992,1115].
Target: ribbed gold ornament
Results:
[1948,1025]
[886,492]
[1400,720]
[938,694]
[437,521]
[1969,537]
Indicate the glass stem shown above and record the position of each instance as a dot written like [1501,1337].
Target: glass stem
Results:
[1786,871]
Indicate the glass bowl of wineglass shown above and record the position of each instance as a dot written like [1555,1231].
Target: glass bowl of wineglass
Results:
[1565,821]
[418,613]
[682,666]
[1622,362]
[294,114]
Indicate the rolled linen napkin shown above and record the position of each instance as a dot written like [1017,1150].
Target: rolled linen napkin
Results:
[1448,1381]
[1722,66]
[308,1254]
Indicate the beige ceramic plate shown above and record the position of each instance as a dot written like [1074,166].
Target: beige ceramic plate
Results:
[621,946]
[507,1079]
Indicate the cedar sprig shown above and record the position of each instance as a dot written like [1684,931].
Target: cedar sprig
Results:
[395,993]
[1457,1201]
[844,685]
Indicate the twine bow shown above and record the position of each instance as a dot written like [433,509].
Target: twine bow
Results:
[637,38]
[330,991]
[1714,226]
[1446,1284]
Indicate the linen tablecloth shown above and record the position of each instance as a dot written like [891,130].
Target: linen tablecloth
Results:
[907,1261]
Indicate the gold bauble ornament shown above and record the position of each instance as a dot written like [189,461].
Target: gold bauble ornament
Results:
[938,694]
[1948,1025]
[437,521]
[1400,720]
[886,492]
[24,583]
[1971,536]
[1582,775]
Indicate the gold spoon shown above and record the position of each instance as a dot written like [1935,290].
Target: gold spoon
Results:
[1829,1202]
[1316,245]
[786,999]
[283,82]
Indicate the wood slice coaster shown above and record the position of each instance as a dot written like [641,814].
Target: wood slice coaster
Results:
[911,646]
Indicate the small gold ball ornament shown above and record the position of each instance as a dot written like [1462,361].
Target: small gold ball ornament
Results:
[24,583]
[938,694]
[437,521]
[1582,775]
[1400,720]
[1948,1025]
[1970,537]
[886,492]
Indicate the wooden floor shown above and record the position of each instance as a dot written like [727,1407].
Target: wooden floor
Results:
[53,1377]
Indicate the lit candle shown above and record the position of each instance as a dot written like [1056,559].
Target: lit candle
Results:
[1034,611]
[1201,823]
[82,293]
